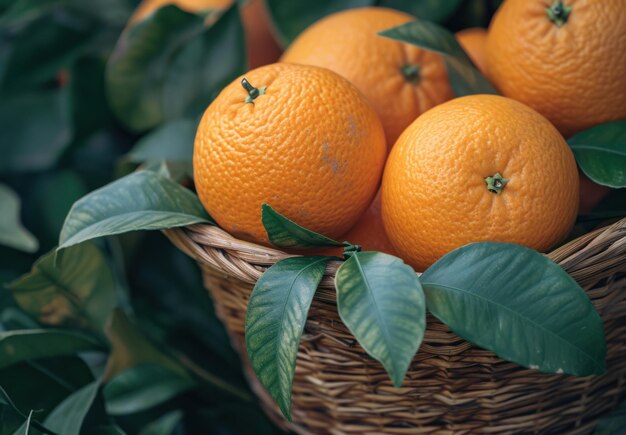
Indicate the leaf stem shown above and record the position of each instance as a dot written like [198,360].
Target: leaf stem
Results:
[350,250]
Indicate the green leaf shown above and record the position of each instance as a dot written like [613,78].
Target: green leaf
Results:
[58,377]
[430,10]
[90,110]
[68,417]
[25,428]
[163,425]
[75,285]
[292,17]
[58,37]
[171,142]
[200,71]
[34,128]
[107,430]
[601,153]
[285,233]
[380,300]
[612,424]
[275,319]
[519,304]
[464,77]
[26,344]
[51,198]
[142,387]
[130,347]
[109,12]
[171,65]
[12,420]
[12,233]
[140,201]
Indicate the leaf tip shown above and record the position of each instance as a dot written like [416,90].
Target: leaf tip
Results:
[286,410]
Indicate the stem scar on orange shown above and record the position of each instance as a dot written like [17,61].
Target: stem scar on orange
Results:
[478,168]
[299,138]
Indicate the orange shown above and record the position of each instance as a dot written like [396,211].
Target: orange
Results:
[478,168]
[309,145]
[369,232]
[474,42]
[401,81]
[565,59]
[147,7]
[261,45]
[591,194]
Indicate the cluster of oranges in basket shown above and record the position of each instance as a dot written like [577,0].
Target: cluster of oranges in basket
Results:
[358,136]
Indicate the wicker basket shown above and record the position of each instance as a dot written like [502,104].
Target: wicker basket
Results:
[451,386]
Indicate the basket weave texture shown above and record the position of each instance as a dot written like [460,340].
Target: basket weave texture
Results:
[451,385]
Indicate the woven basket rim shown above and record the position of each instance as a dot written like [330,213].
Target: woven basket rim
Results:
[328,384]
[589,258]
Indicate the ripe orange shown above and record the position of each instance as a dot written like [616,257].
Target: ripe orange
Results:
[369,232]
[261,44]
[309,145]
[401,81]
[436,187]
[474,42]
[591,194]
[564,59]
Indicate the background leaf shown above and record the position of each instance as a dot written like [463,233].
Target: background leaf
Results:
[171,142]
[291,18]
[612,424]
[51,197]
[74,286]
[130,347]
[285,233]
[57,36]
[68,417]
[164,425]
[464,77]
[11,417]
[205,65]
[107,430]
[17,346]
[25,428]
[431,10]
[275,319]
[58,377]
[517,303]
[141,201]
[89,107]
[25,148]
[165,67]
[142,387]
[601,153]
[380,300]
[12,233]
